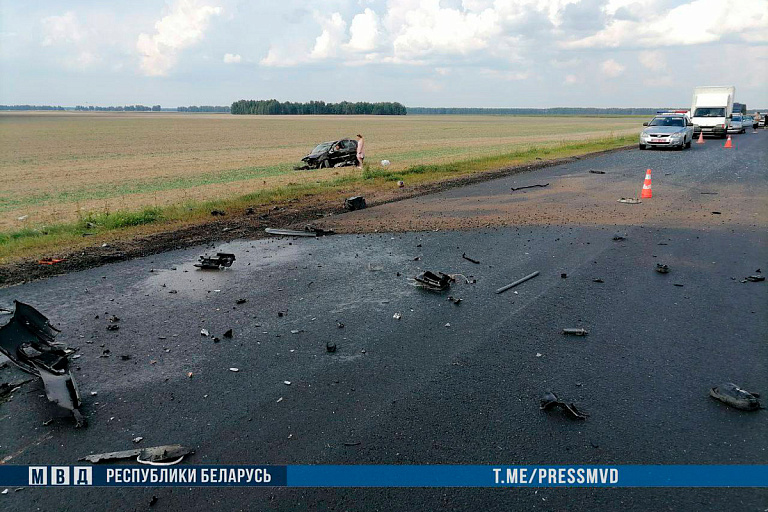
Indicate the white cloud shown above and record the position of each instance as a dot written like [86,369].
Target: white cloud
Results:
[364,31]
[653,60]
[232,58]
[611,68]
[184,26]
[571,80]
[699,21]
[61,29]
[328,42]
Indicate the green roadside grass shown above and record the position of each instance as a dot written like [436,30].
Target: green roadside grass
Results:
[95,227]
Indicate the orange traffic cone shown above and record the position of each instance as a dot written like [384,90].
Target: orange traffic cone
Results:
[647,193]
[728,143]
[701,138]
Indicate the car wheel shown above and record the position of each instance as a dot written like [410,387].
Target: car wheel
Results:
[688,144]
[325,164]
[642,146]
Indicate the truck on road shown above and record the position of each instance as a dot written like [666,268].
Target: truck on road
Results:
[711,110]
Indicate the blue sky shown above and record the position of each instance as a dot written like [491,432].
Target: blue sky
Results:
[464,53]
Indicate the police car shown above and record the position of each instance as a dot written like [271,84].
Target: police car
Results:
[668,129]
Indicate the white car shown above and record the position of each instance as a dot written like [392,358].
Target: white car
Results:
[737,125]
[667,130]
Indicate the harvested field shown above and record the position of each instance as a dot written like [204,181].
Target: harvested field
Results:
[58,166]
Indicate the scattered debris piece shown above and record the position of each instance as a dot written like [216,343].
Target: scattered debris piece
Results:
[357,443]
[249,211]
[218,213]
[125,358]
[448,324]
[309,231]
[563,275]
[754,279]
[470,259]
[519,281]
[455,300]
[287,382]
[431,281]
[234,370]
[400,184]
[152,501]
[592,171]
[113,327]
[619,236]
[629,200]
[114,319]
[576,331]
[679,285]
[330,346]
[228,334]
[711,193]
[375,268]
[597,280]
[529,186]
[28,341]
[222,259]
[550,400]
[397,316]
[49,261]
[354,203]
[339,325]
[204,332]
[279,400]
[6,388]
[137,439]
[662,269]
[731,394]
[155,454]
[717,213]
[241,301]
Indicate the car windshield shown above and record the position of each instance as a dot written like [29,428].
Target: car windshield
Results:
[709,112]
[667,121]
[737,118]
[322,147]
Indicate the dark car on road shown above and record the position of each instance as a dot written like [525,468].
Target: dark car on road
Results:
[335,153]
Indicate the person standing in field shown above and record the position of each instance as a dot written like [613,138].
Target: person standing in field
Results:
[360,151]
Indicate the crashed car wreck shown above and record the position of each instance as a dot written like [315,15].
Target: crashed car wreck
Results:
[28,341]
[335,153]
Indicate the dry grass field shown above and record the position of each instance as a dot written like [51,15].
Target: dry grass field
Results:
[56,167]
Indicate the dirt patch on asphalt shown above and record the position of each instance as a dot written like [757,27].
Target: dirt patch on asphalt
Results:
[315,210]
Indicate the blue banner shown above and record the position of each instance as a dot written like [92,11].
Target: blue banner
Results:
[385,476]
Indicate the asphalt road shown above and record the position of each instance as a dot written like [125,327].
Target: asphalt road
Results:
[417,390]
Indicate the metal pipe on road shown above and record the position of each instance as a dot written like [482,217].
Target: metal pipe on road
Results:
[512,285]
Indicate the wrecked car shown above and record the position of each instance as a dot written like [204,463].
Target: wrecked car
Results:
[335,153]
[27,339]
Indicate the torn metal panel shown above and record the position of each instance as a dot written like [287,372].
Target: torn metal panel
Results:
[432,281]
[222,259]
[308,231]
[155,454]
[550,400]
[28,341]
[354,203]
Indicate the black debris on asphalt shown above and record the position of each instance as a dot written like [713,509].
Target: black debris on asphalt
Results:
[550,401]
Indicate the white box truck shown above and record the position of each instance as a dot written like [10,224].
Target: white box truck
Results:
[711,110]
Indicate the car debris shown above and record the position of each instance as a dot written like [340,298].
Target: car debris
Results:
[375,268]
[28,341]
[434,282]
[330,347]
[576,331]
[250,211]
[753,279]
[204,332]
[228,334]
[218,213]
[49,261]
[161,455]
[619,237]
[529,186]
[592,171]
[597,280]
[550,400]
[113,327]
[455,300]
[629,200]
[471,260]
[563,276]
[662,269]
[241,301]
[308,231]
[397,316]
[222,259]
[400,184]
[731,394]
[8,388]
[354,203]
[234,370]
[137,440]
[519,281]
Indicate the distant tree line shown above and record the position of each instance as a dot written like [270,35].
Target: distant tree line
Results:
[30,107]
[126,108]
[203,108]
[556,111]
[274,107]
